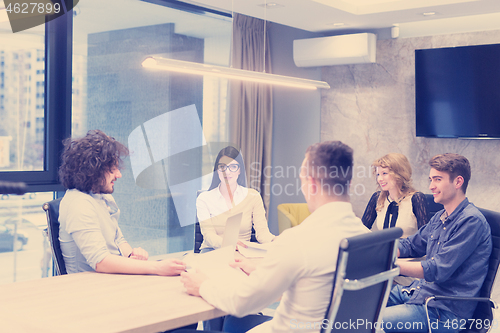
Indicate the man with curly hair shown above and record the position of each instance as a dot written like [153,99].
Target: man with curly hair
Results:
[90,237]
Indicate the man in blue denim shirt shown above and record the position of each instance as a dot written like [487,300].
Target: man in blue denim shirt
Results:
[457,246]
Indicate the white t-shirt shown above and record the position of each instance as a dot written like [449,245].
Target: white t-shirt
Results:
[88,229]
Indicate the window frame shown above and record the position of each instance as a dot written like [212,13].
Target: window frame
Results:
[57,105]
[58,95]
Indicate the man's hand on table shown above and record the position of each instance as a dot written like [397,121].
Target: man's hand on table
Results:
[244,264]
[139,254]
[170,267]
[192,282]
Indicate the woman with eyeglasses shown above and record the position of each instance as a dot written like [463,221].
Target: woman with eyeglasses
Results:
[228,196]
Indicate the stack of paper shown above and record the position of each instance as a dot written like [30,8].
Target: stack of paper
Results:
[253,250]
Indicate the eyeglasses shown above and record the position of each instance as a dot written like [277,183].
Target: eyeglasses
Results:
[231,167]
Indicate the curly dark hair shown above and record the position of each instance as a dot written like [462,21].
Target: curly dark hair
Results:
[86,161]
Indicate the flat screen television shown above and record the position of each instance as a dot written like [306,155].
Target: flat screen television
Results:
[457,92]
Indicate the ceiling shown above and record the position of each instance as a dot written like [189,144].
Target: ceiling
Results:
[329,17]
[413,17]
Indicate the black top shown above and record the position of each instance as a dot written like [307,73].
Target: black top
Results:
[419,207]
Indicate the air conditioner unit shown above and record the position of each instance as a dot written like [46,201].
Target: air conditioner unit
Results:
[335,50]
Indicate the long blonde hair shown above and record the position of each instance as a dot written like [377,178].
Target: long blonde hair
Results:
[400,169]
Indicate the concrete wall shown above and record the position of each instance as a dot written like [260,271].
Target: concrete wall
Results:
[371,107]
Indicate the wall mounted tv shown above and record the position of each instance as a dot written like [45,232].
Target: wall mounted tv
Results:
[458,92]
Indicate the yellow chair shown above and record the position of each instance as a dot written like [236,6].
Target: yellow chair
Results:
[291,215]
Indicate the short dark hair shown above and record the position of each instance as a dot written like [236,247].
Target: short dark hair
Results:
[85,161]
[331,163]
[454,165]
[235,154]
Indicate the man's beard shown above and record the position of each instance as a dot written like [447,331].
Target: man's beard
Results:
[103,189]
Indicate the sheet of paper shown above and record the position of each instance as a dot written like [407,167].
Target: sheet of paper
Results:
[253,250]
[255,245]
[215,264]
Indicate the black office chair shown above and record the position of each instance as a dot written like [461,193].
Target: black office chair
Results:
[363,280]
[51,209]
[432,207]
[483,313]
[198,236]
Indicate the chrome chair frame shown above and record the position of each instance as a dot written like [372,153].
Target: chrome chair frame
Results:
[493,219]
[493,305]
[343,283]
[51,209]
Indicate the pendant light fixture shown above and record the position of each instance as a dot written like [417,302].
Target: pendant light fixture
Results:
[188,67]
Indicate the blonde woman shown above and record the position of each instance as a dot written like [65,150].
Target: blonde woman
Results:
[396,202]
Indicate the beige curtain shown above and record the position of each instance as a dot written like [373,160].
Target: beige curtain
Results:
[251,104]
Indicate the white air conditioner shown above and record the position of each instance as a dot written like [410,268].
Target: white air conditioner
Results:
[335,50]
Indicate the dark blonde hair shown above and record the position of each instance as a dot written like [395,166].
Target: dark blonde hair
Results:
[400,170]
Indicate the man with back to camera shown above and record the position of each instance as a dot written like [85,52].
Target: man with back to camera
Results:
[457,245]
[90,237]
[295,266]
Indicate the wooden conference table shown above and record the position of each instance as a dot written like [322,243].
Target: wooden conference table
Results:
[94,302]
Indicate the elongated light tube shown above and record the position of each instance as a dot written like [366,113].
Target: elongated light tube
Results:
[188,67]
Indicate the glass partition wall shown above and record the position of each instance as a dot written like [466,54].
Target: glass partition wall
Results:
[114,93]
[24,248]
[111,91]
[24,251]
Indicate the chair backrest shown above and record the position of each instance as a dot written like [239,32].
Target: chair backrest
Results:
[291,215]
[432,207]
[51,209]
[483,310]
[198,236]
[363,280]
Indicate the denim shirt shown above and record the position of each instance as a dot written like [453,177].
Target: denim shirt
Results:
[457,251]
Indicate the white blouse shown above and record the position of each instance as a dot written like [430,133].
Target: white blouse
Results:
[212,212]
[406,218]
